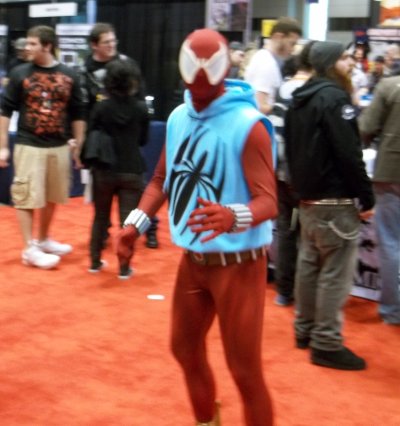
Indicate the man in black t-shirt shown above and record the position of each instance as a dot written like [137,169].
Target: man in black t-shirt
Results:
[48,97]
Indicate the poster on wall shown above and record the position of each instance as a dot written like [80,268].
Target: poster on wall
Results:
[228,15]
[73,44]
[380,39]
[367,280]
[390,13]
[3,51]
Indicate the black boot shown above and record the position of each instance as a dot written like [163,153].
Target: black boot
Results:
[343,359]
[302,342]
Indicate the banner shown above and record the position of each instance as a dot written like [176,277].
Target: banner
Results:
[228,15]
[3,51]
[72,44]
[367,280]
[390,13]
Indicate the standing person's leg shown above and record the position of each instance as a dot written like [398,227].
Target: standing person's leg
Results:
[56,191]
[25,220]
[27,191]
[287,245]
[192,315]
[103,192]
[129,189]
[239,295]
[387,222]
[29,176]
[46,215]
[307,270]
[337,241]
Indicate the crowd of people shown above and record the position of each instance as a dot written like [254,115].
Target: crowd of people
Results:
[279,141]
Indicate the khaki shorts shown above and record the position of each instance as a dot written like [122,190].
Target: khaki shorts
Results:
[41,175]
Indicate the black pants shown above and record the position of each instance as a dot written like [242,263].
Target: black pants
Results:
[288,237]
[128,187]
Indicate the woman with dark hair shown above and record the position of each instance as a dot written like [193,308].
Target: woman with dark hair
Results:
[123,117]
[324,155]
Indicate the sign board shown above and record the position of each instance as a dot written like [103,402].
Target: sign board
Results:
[266,27]
[47,10]
[73,44]
[390,13]
[229,15]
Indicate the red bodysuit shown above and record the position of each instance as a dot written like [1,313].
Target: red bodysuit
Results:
[234,293]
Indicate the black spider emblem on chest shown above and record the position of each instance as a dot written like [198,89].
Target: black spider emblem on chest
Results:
[189,179]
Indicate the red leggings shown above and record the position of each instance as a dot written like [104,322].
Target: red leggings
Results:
[236,294]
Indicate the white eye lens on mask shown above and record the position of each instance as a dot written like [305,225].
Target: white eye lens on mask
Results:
[214,67]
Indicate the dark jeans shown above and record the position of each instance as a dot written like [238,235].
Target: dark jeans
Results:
[128,187]
[288,237]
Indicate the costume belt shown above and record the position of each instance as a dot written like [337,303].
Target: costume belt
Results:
[224,259]
[330,202]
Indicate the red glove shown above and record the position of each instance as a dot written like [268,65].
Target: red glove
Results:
[124,244]
[211,217]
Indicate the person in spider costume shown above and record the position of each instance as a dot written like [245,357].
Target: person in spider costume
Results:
[216,170]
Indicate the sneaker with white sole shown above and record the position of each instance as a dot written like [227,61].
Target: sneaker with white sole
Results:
[96,267]
[36,257]
[54,247]
[125,272]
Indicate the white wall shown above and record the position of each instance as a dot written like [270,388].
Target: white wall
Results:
[336,9]
[348,8]
[269,8]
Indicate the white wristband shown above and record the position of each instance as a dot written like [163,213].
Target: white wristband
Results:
[139,220]
[243,217]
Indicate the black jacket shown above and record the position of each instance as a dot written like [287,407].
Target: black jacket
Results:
[92,79]
[323,145]
[126,121]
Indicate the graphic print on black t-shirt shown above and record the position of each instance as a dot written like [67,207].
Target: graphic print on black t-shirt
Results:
[47,96]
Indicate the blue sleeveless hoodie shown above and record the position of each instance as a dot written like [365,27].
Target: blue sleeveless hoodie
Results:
[203,158]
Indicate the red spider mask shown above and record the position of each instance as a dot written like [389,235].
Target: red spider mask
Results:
[204,63]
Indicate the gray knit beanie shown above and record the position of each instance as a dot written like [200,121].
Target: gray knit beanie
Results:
[324,54]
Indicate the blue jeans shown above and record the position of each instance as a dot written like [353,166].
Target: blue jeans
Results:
[387,214]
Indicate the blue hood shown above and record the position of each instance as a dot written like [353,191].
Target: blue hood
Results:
[237,92]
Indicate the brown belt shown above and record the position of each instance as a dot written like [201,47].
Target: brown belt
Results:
[224,259]
[330,202]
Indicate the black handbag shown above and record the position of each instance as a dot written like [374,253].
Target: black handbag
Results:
[98,150]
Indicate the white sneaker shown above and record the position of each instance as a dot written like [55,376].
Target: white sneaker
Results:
[36,257]
[53,247]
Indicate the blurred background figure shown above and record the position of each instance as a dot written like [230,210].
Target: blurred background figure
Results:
[288,230]
[20,54]
[392,60]
[264,69]
[359,78]
[360,55]
[376,73]
[381,119]
[236,55]
[19,57]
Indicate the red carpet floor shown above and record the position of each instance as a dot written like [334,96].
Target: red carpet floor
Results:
[89,350]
